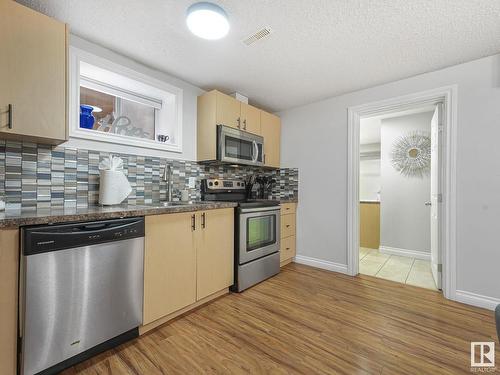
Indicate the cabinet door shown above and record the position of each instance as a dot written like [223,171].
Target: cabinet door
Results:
[228,111]
[169,265]
[250,117]
[271,131]
[287,225]
[287,250]
[36,58]
[9,264]
[4,67]
[215,261]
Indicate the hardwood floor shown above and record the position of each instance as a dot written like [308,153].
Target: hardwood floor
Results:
[309,321]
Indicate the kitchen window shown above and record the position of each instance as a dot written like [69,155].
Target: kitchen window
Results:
[111,103]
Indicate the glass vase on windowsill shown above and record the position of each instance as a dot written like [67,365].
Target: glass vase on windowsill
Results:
[86,118]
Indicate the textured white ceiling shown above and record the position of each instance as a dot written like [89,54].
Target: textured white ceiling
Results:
[318,48]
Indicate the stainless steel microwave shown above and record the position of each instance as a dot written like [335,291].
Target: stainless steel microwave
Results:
[239,147]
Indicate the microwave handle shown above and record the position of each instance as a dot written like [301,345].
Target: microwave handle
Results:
[255,152]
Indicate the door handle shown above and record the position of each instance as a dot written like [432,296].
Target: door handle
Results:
[193,222]
[428,203]
[255,152]
[10,116]
[203,220]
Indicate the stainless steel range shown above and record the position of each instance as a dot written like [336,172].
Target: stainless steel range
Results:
[257,232]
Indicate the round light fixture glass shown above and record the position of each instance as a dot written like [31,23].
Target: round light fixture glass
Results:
[207,20]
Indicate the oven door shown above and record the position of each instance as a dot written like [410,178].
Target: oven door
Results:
[239,147]
[259,233]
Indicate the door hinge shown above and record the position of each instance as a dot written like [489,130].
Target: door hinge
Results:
[440,198]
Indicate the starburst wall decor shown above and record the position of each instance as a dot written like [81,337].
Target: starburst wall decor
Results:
[411,154]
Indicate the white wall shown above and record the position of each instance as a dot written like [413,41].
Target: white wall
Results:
[405,221]
[314,139]
[369,173]
[189,113]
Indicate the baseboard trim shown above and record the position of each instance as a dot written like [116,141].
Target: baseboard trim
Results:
[477,300]
[319,263]
[405,252]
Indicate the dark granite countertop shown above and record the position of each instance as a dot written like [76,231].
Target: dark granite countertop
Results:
[282,200]
[17,218]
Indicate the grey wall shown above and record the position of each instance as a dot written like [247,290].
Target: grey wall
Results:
[404,218]
[314,139]
[369,172]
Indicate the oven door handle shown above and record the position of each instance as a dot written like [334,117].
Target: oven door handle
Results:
[255,152]
[259,209]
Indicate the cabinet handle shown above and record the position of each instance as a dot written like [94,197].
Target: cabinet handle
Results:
[239,123]
[10,116]
[288,225]
[245,124]
[264,158]
[287,248]
[203,220]
[193,222]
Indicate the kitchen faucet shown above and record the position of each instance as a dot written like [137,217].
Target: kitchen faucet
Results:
[167,176]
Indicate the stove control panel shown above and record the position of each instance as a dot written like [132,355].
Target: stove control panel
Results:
[219,184]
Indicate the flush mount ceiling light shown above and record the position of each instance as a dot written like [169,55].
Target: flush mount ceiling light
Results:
[207,20]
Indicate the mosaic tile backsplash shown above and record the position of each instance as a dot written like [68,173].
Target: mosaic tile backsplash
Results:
[35,176]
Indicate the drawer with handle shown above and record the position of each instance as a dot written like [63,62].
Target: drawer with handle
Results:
[287,248]
[288,208]
[287,225]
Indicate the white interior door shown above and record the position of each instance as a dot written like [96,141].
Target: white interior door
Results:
[436,197]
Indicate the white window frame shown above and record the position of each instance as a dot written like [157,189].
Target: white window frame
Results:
[77,56]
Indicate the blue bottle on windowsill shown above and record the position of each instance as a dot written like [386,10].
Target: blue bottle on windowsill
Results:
[86,118]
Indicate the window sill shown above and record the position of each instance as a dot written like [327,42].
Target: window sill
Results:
[124,141]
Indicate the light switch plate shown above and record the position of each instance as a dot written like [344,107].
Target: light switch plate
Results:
[192,182]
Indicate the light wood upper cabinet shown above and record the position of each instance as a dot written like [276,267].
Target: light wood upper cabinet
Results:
[169,265]
[215,258]
[216,108]
[4,67]
[33,72]
[188,256]
[250,119]
[228,110]
[271,131]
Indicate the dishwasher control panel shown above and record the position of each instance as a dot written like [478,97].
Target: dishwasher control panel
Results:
[41,239]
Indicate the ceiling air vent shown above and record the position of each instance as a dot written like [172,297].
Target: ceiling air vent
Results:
[261,34]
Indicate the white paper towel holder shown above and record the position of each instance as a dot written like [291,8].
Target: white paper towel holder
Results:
[114,187]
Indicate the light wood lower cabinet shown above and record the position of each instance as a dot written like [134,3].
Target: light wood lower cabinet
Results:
[169,265]
[215,255]
[287,225]
[287,248]
[9,264]
[188,256]
[369,224]
[288,233]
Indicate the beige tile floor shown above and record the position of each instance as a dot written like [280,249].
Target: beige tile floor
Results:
[406,270]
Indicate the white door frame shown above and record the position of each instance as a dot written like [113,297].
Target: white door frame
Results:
[448,97]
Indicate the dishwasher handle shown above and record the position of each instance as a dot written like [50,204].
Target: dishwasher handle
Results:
[42,239]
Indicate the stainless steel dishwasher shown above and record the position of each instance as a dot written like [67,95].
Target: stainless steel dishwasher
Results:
[81,290]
